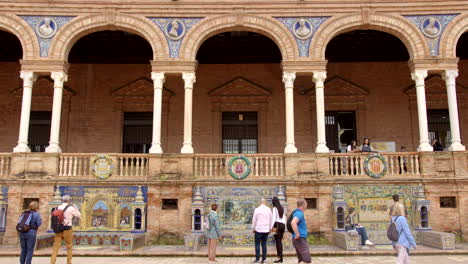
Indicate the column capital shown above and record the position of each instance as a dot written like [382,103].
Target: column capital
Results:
[319,76]
[158,79]
[418,75]
[59,78]
[288,79]
[28,77]
[189,79]
[449,74]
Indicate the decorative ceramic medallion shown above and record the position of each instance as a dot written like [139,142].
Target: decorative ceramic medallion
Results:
[302,28]
[239,167]
[375,165]
[175,29]
[46,28]
[102,167]
[431,27]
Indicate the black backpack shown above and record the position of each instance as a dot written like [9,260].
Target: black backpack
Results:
[22,226]
[288,223]
[57,220]
[392,231]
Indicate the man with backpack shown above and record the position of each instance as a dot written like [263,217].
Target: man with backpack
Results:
[400,234]
[62,219]
[297,225]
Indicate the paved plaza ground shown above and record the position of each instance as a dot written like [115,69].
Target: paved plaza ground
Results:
[437,259]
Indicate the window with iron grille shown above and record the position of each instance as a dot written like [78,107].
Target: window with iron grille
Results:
[137,132]
[39,130]
[240,132]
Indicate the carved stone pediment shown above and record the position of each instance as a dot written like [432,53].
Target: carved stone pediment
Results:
[337,86]
[138,95]
[43,87]
[141,87]
[239,87]
[239,93]
[434,86]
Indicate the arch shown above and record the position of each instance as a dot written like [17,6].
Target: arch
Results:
[263,25]
[69,34]
[398,26]
[23,32]
[451,35]
[90,207]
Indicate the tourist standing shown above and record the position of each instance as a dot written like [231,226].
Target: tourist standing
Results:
[396,203]
[353,147]
[69,211]
[28,239]
[299,236]
[366,145]
[261,225]
[405,239]
[352,225]
[213,233]
[278,227]
[436,146]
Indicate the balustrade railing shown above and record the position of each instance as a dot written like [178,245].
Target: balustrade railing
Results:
[398,163]
[5,164]
[74,165]
[126,166]
[131,166]
[215,166]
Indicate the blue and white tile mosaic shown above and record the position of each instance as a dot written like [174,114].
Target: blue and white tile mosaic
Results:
[45,28]
[303,29]
[175,30]
[432,26]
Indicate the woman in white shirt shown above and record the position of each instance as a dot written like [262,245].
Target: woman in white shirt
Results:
[278,227]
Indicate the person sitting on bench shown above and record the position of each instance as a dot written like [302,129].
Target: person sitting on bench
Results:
[351,225]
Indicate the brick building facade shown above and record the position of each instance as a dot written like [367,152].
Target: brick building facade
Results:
[86,106]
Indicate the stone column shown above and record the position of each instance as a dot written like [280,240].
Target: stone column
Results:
[158,80]
[189,80]
[449,76]
[59,79]
[418,77]
[288,79]
[319,79]
[28,79]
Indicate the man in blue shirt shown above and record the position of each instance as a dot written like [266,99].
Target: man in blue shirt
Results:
[299,226]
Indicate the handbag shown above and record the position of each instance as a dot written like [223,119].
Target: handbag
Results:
[274,229]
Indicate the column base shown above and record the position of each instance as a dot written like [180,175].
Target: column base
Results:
[53,148]
[22,147]
[187,149]
[457,146]
[290,148]
[322,148]
[156,149]
[424,146]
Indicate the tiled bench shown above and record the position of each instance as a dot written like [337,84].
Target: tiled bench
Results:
[131,241]
[441,240]
[347,240]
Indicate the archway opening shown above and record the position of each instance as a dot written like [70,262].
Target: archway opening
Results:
[111,47]
[110,71]
[366,46]
[367,73]
[238,47]
[462,48]
[10,53]
[239,73]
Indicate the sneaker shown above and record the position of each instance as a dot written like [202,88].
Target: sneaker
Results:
[256,261]
[369,243]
